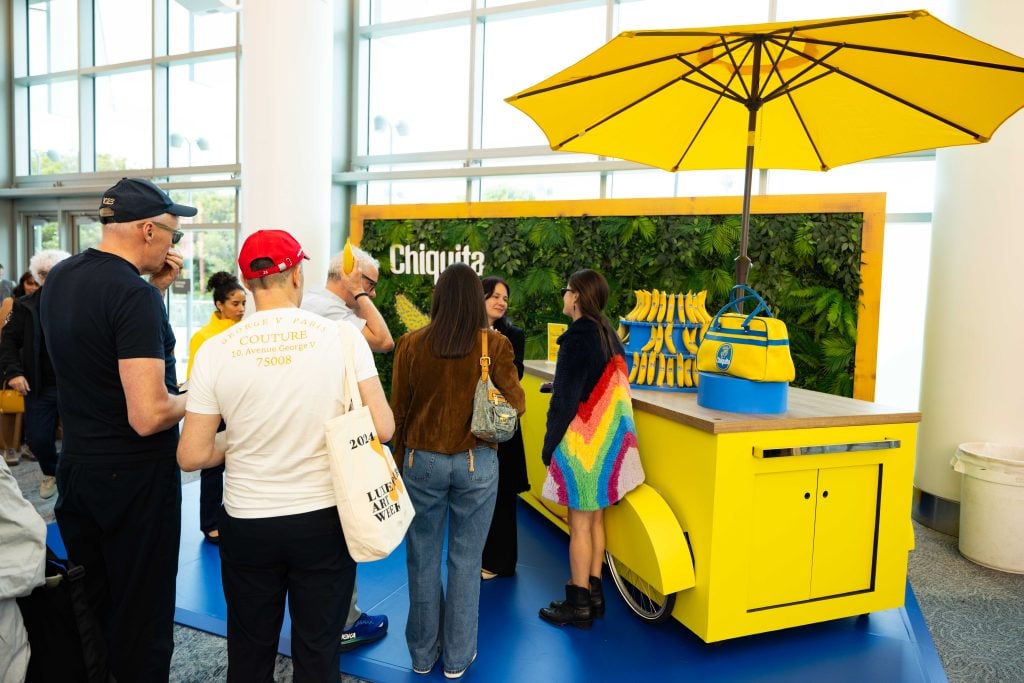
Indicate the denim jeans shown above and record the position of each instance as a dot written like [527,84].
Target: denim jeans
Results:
[460,488]
[41,425]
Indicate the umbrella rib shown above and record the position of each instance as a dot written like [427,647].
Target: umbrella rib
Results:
[591,77]
[831,23]
[807,132]
[917,55]
[791,85]
[723,93]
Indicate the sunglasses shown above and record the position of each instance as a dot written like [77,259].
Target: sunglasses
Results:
[176,235]
[566,289]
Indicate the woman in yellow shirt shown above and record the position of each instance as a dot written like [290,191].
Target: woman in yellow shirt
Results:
[229,298]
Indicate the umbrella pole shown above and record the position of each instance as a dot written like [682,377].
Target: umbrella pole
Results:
[743,262]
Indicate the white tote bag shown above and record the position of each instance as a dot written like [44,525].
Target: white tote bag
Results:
[373,502]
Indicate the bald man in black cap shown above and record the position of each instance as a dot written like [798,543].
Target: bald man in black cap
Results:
[119,487]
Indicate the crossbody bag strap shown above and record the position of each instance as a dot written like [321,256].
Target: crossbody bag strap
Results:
[485,360]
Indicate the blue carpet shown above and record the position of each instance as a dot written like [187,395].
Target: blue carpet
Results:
[515,645]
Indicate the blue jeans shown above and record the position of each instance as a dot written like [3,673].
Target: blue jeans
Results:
[460,488]
[41,425]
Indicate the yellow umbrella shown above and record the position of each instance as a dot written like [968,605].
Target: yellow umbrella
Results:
[800,95]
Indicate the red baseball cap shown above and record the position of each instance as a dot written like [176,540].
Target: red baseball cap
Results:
[276,245]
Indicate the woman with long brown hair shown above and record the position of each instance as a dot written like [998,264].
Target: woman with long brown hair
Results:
[450,474]
[590,446]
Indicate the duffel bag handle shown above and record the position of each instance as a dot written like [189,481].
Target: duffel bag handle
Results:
[740,294]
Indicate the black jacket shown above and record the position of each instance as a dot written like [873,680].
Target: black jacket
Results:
[512,475]
[581,361]
[22,349]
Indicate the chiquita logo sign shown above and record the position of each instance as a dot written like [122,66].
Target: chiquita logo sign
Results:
[405,260]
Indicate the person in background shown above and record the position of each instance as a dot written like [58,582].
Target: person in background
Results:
[23,539]
[350,298]
[27,369]
[118,484]
[451,476]
[6,286]
[27,283]
[280,534]
[501,551]
[590,442]
[229,307]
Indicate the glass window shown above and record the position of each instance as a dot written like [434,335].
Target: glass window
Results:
[53,136]
[43,233]
[215,205]
[645,14]
[202,114]
[188,32]
[622,184]
[395,10]
[512,63]
[88,232]
[537,186]
[418,91]
[206,251]
[52,36]
[122,31]
[427,191]
[909,184]
[124,121]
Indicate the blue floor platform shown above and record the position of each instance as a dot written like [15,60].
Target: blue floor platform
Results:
[515,645]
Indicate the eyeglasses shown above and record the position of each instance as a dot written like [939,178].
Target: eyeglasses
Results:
[373,283]
[176,235]
[567,289]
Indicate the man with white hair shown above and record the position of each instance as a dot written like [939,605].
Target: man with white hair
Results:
[350,297]
[118,483]
[27,369]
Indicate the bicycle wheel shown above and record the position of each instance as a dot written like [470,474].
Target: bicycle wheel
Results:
[641,597]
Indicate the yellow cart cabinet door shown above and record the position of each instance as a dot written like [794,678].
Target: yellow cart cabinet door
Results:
[782,538]
[844,531]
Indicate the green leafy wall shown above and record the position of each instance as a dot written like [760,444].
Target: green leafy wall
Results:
[807,266]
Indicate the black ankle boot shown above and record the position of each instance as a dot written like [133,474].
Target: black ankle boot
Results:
[596,598]
[574,610]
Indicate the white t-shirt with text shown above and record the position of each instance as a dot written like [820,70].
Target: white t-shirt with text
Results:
[276,377]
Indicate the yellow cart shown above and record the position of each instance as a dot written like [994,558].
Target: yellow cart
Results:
[752,523]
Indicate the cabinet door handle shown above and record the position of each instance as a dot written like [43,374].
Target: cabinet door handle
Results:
[824,494]
[826,449]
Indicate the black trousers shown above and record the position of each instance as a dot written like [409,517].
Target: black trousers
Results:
[501,551]
[211,494]
[303,557]
[123,524]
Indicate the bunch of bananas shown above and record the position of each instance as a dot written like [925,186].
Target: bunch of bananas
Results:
[675,368]
[663,370]
[411,316]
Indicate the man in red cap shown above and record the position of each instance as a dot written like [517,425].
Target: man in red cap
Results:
[118,485]
[275,378]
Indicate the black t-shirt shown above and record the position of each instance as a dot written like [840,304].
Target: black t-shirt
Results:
[96,310]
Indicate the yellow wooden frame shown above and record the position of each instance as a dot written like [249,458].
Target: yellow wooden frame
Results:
[871,205]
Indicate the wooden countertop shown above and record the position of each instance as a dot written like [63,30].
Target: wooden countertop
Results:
[807,409]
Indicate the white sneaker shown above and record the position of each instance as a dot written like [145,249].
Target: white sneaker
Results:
[11,456]
[47,487]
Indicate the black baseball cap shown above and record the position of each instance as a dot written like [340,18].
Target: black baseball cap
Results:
[133,199]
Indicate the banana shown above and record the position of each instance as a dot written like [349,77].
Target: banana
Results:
[670,345]
[412,317]
[661,370]
[694,375]
[636,305]
[659,334]
[623,333]
[652,313]
[651,341]
[689,340]
[687,377]
[670,371]
[670,310]
[641,308]
[641,376]
[680,365]
[652,367]
[662,305]
[636,367]
[348,259]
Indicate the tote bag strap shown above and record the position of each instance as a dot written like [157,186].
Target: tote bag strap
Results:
[485,360]
[350,394]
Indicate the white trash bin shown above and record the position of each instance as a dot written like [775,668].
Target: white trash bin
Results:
[992,504]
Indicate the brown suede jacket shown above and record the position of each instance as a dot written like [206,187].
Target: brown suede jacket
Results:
[432,398]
